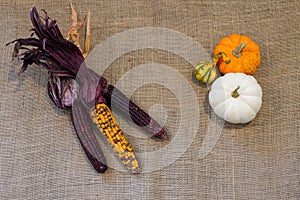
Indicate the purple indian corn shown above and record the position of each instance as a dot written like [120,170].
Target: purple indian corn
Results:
[83,91]
[86,136]
[118,100]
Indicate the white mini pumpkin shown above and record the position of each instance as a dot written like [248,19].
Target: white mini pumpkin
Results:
[236,97]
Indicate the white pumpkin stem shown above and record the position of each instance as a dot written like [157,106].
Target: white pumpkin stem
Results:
[237,52]
[234,93]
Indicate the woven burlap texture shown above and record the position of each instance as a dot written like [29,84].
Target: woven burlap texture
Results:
[40,156]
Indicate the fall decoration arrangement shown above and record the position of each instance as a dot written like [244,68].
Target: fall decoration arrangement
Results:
[234,94]
[90,94]
[236,97]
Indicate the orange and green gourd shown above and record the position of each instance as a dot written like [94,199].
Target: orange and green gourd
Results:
[207,72]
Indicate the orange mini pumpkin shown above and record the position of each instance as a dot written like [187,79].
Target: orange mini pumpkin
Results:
[240,54]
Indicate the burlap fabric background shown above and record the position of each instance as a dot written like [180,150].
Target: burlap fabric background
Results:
[40,157]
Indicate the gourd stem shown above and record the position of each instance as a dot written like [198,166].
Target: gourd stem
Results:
[221,55]
[234,93]
[237,52]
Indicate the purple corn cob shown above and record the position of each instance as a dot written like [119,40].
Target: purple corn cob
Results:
[116,99]
[87,137]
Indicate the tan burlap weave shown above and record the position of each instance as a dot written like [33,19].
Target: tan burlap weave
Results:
[40,156]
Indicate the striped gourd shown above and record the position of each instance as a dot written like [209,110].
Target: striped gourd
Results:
[103,118]
[207,71]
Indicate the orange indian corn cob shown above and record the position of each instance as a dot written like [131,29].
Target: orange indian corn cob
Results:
[106,123]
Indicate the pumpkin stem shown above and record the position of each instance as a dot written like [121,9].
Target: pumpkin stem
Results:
[234,93]
[237,52]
